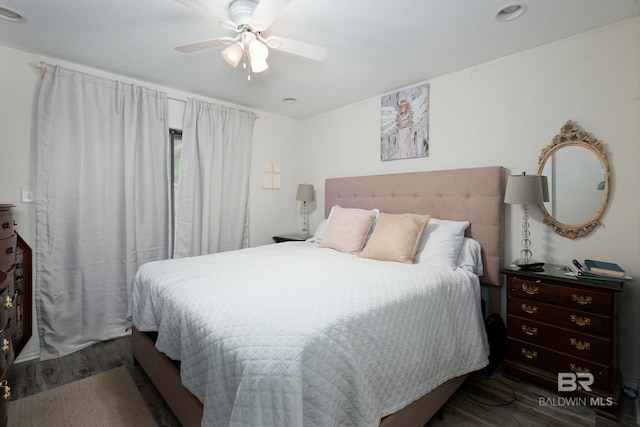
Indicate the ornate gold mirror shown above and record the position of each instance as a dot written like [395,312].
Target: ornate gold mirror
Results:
[579,182]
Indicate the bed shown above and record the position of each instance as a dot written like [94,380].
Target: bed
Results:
[323,361]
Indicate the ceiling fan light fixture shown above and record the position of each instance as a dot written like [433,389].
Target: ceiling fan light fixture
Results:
[249,18]
[258,66]
[258,50]
[233,54]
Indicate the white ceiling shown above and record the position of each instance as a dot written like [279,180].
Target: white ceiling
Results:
[374,46]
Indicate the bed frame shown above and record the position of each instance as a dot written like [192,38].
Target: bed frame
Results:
[474,194]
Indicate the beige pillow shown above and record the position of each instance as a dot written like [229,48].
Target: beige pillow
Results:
[396,237]
[347,229]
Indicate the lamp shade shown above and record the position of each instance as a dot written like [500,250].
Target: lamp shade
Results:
[305,193]
[526,190]
[258,50]
[258,66]
[258,53]
[233,54]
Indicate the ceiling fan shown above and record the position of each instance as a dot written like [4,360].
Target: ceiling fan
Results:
[249,18]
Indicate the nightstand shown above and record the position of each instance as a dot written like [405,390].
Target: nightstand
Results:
[560,324]
[291,238]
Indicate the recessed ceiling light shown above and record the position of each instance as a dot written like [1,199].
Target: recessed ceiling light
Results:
[11,15]
[510,12]
[289,100]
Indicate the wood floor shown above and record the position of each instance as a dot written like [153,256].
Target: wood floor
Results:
[480,401]
[32,377]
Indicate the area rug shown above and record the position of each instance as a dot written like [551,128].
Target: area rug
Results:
[107,399]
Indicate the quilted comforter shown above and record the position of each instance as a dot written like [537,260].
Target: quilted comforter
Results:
[295,335]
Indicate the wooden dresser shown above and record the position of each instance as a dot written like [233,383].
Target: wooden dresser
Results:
[8,242]
[559,324]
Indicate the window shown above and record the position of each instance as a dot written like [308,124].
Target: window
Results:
[175,150]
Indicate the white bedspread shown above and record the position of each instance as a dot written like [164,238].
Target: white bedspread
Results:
[293,335]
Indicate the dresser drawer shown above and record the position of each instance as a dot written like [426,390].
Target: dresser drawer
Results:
[586,347]
[6,350]
[6,225]
[8,306]
[583,299]
[4,318]
[11,325]
[553,362]
[7,252]
[4,313]
[589,323]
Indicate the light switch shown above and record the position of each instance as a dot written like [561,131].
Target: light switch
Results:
[28,194]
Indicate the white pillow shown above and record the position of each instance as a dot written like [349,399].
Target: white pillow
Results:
[470,256]
[441,242]
[320,229]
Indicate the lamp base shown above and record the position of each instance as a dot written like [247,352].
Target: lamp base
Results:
[529,264]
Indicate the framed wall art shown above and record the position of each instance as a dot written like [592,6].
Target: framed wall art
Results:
[271,175]
[404,130]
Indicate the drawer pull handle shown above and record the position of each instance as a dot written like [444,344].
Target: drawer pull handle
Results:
[580,321]
[530,308]
[582,300]
[529,354]
[529,330]
[580,345]
[5,345]
[8,303]
[530,290]
[579,369]
[6,390]
[6,225]
[9,250]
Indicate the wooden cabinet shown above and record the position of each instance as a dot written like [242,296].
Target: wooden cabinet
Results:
[559,324]
[22,296]
[8,248]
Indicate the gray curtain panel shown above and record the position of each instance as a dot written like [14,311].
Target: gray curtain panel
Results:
[213,183]
[102,203]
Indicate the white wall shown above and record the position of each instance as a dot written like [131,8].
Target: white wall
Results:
[274,139]
[503,113]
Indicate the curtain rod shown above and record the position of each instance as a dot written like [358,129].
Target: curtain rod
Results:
[43,68]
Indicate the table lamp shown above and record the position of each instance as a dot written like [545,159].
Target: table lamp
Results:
[305,194]
[526,190]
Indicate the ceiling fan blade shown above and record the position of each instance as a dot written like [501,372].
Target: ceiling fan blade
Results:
[204,44]
[267,12]
[198,7]
[307,50]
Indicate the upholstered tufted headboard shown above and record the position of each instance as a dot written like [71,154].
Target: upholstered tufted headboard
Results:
[474,194]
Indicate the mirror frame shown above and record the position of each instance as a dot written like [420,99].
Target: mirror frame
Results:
[571,136]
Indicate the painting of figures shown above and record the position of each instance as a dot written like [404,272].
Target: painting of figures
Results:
[405,124]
